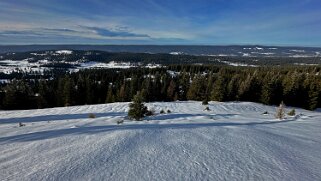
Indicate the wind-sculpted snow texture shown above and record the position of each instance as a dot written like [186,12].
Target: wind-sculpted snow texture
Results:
[232,141]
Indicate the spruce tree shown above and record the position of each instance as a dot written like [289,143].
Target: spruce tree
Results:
[89,91]
[122,95]
[110,98]
[291,88]
[137,109]
[197,89]
[18,96]
[184,80]
[68,92]
[171,90]
[232,88]
[156,88]
[219,90]
[250,88]
[271,92]
[313,95]
[42,95]
[147,90]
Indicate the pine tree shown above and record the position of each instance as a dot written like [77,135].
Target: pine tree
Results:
[68,92]
[133,86]
[271,90]
[292,91]
[80,91]
[165,82]
[110,98]
[137,109]
[123,93]
[42,95]
[18,95]
[90,98]
[219,90]
[232,88]
[147,90]
[197,89]
[313,89]
[250,88]
[59,92]
[209,88]
[171,91]
[156,88]
[184,80]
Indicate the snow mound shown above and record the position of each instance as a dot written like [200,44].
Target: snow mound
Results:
[232,141]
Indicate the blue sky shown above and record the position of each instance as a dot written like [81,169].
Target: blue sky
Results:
[196,22]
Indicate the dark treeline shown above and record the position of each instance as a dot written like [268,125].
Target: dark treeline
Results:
[62,60]
[296,86]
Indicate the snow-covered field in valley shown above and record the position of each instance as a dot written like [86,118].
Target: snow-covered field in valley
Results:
[232,141]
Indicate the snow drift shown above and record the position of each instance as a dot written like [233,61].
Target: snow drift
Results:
[232,141]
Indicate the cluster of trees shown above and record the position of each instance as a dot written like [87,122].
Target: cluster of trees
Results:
[296,86]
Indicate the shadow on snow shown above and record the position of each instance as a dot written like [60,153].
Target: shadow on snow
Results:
[42,135]
[58,117]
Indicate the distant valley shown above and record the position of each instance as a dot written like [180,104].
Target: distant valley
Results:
[40,58]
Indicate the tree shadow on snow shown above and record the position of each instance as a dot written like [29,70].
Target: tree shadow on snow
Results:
[58,117]
[175,116]
[43,135]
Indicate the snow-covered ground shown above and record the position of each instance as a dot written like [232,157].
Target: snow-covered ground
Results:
[10,66]
[67,52]
[232,141]
[236,64]
[31,65]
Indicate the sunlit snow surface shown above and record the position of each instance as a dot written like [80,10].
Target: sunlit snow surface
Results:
[9,66]
[233,141]
[67,52]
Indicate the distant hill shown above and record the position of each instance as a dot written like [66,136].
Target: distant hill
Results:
[234,51]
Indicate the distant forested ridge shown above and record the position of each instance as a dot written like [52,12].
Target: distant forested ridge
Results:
[256,59]
[298,86]
[232,50]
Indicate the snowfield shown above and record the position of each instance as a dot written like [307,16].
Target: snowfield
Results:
[67,52]
[232,141]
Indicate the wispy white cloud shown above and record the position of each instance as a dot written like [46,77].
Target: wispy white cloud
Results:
[152,21]
[118,32]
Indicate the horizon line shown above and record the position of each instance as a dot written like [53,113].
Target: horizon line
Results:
[222,45]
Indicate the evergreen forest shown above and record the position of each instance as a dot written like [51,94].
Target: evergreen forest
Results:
[298,86]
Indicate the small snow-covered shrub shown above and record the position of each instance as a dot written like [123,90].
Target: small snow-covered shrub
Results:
[162,112]
[120,121]
[91,115]
[205,102]
[150,112]
[265,113]
[207,108]
[292,112]
[21,124]
[169,111]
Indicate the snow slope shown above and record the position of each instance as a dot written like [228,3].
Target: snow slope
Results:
[233,141]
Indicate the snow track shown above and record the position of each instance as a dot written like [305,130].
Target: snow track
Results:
[232,141]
